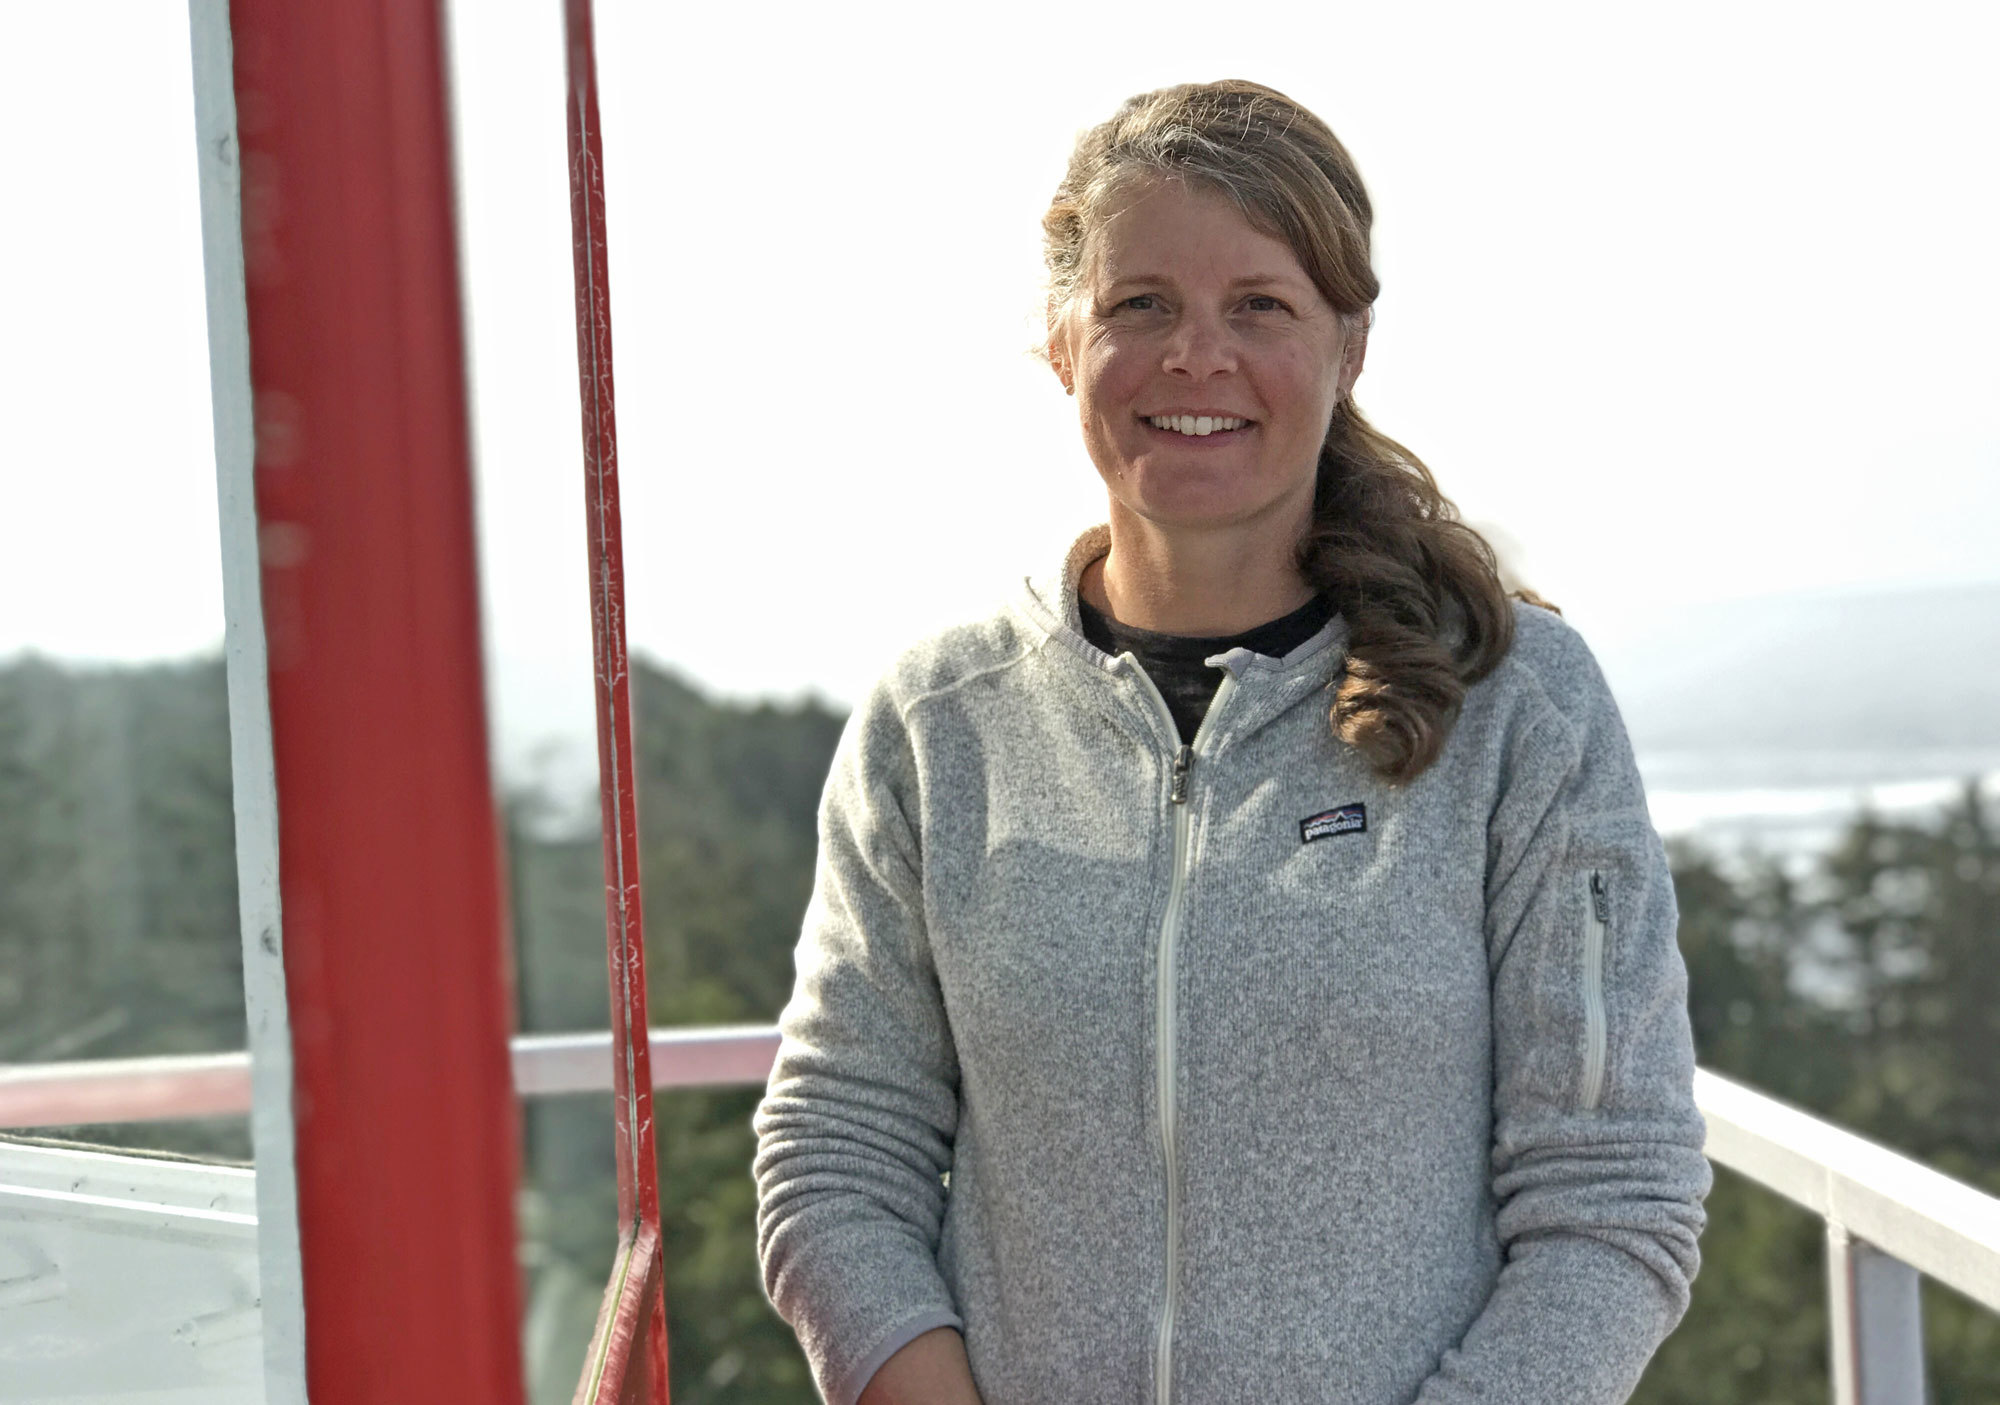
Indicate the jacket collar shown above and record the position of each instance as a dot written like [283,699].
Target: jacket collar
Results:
[1050,602]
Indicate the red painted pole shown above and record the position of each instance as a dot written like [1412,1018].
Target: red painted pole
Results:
[389,853]
[636,1318]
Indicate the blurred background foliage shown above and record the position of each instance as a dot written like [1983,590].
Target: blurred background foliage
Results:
[1864,986]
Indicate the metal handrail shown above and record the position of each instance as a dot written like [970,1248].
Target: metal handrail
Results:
[100,1091]
[1888,1217]
[1939,1226]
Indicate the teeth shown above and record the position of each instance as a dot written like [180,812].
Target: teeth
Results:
[1196,424]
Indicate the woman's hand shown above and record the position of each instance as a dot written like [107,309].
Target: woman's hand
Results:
[931,1370]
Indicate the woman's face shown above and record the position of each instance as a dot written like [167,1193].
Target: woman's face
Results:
[1185,320]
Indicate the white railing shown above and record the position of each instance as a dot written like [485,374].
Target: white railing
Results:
[218,1085]
[127,1274]
[1888,1218]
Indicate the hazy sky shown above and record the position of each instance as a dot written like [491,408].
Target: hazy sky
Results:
[1690,301]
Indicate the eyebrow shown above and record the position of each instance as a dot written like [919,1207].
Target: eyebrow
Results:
[1250,280]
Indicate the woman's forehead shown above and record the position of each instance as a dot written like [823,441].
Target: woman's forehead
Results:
[1168,228]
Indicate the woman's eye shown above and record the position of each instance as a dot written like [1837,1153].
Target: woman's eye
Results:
[1263,303]
[1143,302]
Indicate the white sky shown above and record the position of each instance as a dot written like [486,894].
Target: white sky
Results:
[1691,301]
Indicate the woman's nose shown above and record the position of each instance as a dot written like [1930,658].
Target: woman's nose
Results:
[1200,347]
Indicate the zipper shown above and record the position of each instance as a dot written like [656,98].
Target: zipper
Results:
[1165,1015]
[1596,927]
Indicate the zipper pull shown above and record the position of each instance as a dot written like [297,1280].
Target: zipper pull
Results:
[1600,898]
[1183,760]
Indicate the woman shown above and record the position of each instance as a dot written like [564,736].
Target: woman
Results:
[1243,969]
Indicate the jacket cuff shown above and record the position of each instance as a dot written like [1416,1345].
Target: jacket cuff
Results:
[1571,1319]
[855,1294]
[848,1390]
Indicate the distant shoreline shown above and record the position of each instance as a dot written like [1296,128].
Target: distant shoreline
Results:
[1798,804]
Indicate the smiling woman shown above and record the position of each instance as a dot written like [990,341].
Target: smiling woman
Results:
[1204,392]
[1203,271]
[1153,1037]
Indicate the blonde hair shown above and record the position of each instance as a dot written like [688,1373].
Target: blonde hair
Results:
[1426,611]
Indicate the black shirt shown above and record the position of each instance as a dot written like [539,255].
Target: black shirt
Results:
[1177,663]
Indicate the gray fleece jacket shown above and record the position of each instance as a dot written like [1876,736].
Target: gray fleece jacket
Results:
[1230,1074]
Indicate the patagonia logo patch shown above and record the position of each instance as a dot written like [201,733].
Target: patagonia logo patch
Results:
[1348,819]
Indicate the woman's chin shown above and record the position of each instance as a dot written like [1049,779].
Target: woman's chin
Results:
[1191,503]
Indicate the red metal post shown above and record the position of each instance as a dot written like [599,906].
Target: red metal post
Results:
[620,1369]
[634,1323]
[389,853]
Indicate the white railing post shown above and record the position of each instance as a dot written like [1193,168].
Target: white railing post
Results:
[1877,1335]
[282,1285]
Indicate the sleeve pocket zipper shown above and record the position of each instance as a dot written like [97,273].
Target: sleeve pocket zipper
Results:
[1596,927]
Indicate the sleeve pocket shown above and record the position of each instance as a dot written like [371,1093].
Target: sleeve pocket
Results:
[1594,889]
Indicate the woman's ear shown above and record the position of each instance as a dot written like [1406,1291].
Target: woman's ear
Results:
[1056,349]
[1354,352]
[1058,356]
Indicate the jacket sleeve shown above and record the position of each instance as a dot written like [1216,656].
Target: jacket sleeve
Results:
[855,1131]
[1598,1173]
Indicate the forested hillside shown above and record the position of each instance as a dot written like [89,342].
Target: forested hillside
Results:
[117,863]
[117,935]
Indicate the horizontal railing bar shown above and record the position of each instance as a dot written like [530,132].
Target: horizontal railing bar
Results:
[99,1091]
[124,1090]
[1940,1227]
[1937,1225]
[714,1056]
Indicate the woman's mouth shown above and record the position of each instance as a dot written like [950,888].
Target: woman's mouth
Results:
[1198,426]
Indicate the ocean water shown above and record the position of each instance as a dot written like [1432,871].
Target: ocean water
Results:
[1796,804]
